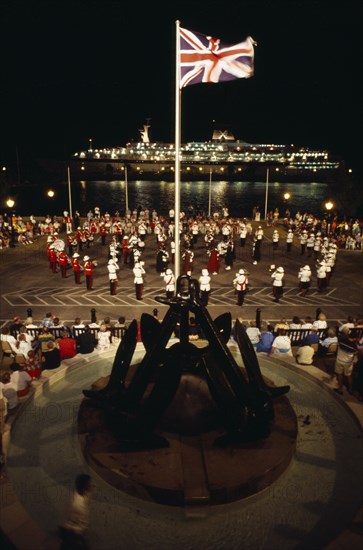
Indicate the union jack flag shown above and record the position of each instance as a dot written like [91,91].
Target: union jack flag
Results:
[207,59]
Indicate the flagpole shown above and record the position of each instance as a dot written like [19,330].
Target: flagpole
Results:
[69,191]
[210,191]
[126,192]
[266,197]
[177,156]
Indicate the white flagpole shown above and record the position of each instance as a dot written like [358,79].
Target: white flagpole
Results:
[177,157]
[266,198]
[69,191]
[210,191]
[126,192]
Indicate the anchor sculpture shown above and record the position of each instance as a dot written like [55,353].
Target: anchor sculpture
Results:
[241,396]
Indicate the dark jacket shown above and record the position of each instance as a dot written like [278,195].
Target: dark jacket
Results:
[86,342]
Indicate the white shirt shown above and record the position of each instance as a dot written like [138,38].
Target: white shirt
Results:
[277,278]
[204,281]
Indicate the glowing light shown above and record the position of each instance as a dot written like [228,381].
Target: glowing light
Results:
[329,205]
[287,196]
[10,203]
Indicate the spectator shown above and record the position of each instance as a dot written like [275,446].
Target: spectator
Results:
[295,323]
[331,338]
[344,363]
[267,337]
[312,338]
[33,365]
[51,357]
[281,344]
[86,341]
[253,333]
[5,336]
[47,321]
[308,323]
[320,322]
[304,355]
[21,379]
[349,323]
[104,338]
[67,346]
[9,391]
[72,532]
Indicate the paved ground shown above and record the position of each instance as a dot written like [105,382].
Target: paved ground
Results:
[26,282]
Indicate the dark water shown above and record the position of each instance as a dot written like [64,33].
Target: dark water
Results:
[239,197]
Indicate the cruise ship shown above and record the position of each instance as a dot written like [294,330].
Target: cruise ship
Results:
[221,158]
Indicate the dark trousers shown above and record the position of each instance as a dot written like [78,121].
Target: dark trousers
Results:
[138,291]
[113,286]
[89,282]
[77,277]
[240,297]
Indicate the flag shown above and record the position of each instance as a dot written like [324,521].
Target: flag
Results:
[207,59]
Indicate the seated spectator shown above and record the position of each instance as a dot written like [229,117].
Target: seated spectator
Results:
[5,336]
[23,347]
[307,323]
[348,323]
[121,322]
[282,324]
[320,322]
[331,338]
[312,338]
[194,329]
[33,365]
[9,391]
[86,341]
[267,337]
[15,326]
[104,338]
[253,333]
[28,337]
[47,321]
[295,323]
[51,357]
[107,322]
[66,346]
[44,337]
[304,355]
[77,324]
[21,379]
[281,344]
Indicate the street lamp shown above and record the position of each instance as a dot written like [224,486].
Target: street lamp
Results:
[10,204]
[50,193]
[329,205]
[287,196]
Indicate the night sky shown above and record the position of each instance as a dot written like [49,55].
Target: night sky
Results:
[76,70]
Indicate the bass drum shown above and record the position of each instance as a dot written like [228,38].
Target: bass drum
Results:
[59,245]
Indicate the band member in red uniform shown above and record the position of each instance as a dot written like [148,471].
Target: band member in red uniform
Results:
[63,261]
[88,271]
[53,260]
[70,245]
[86,236]
[79,238]
[125,249]
[103,232]
[76,266]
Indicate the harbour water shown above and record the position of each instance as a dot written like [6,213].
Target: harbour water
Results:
[239,197]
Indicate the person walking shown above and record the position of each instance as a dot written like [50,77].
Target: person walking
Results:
[73,531]
[240,283]
[277,284]
[321,275]
[204,283]
[138,271]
